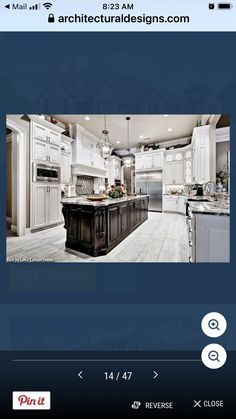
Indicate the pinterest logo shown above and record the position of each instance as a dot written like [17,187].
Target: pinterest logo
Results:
[31,400]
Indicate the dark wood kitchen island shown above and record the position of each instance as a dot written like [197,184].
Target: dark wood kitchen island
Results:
[95,228]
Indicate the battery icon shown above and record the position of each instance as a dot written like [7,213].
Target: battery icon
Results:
[224,6]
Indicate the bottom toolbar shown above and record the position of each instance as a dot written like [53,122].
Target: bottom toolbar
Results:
[126,382]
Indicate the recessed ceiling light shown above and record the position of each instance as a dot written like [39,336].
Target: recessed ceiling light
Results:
[169,129]
[165,115]
[141,136]
[87,118]
[117,142]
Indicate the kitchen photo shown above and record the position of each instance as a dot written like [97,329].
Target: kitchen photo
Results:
[118,188]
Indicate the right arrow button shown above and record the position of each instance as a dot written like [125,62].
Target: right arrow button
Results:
[155,375]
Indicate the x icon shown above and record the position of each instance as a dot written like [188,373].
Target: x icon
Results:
[197,404]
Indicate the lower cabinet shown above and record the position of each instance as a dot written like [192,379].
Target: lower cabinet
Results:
[131,216]
[212,238]
[113,224]
[96,230]
[173,203]
[123,218]
[46,208]
[39,203]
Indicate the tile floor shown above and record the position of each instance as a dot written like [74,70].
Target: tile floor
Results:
[162,238]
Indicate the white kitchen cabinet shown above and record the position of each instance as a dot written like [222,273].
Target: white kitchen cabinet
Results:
[149,161]
[39,152]
[182,205]
[174,155]
[54,137]
[139,163]
[175,203]
[174,173]
[170,203]
[66,159]
[65,168]
[174,168]
[204,154]
[54,154]
[212,238]
[45,205]
[42,133]
[45,143]
[39,132]
[39,203]
[46,152]
[54,196]
[178,172]
[157,160]
[169,173]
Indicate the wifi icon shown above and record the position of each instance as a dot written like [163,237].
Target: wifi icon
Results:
[47,5]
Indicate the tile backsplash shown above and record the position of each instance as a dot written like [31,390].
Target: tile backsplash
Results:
[84,185]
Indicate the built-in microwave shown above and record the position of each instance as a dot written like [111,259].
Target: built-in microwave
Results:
[46,173]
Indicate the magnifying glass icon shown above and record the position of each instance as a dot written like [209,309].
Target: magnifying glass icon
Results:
[213,356]
[213,324]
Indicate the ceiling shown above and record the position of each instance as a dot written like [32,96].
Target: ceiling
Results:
[150,127]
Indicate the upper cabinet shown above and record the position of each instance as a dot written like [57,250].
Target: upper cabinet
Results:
[46,134]
[149,161]
[45,143]
[174,173]
[195,163]
[173,168]
[204,154]
[66,159]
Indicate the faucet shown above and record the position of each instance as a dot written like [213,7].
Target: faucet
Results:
[212,183]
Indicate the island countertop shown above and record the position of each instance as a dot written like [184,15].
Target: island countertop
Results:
[106,202]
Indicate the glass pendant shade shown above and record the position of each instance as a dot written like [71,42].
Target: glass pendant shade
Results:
[128,159]
[104,144]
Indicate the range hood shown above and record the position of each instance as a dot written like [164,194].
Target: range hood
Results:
[86,159]
[83,169]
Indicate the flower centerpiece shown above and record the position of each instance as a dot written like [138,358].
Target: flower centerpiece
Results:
[222,176]
[117,191]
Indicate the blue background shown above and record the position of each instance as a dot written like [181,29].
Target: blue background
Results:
[114,73]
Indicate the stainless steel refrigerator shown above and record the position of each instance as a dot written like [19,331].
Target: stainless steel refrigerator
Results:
[150,183]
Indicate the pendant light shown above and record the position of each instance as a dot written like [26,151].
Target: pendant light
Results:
[104,144]
[128,158]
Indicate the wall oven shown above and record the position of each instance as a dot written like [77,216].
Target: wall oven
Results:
[46,173]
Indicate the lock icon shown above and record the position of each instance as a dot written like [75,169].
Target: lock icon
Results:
[51,18]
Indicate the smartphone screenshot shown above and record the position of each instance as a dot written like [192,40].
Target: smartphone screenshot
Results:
[117,290]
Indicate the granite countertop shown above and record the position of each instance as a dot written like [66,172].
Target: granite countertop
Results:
[105,202]
[214,207]
[176,194]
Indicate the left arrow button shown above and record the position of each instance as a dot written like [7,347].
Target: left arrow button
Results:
[80,375]
[8,6]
